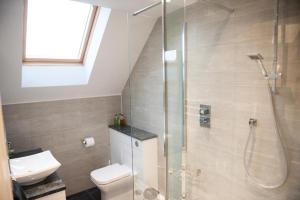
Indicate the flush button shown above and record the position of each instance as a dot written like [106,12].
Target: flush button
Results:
[136,143]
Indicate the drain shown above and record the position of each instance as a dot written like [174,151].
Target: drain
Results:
[150,194]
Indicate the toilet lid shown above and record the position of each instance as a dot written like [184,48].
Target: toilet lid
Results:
[110,173]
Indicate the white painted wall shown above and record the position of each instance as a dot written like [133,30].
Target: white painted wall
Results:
[110,72]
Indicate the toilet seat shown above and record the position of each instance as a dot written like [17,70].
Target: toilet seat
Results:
[110,174]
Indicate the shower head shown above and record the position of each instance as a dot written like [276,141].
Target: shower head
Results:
[258,57]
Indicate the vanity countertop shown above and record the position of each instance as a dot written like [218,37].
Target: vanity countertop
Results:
[50,185]
[134,132]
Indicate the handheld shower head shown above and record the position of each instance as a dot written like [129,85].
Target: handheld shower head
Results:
[258,58]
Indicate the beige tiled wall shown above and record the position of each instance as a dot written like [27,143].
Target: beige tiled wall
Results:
[60,126]
[220,74]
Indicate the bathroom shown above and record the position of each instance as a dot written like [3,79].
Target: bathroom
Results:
[170,99]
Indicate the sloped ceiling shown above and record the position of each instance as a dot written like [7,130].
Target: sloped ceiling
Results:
[111,69]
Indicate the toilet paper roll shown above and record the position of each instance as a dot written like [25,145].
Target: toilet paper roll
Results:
[88,141]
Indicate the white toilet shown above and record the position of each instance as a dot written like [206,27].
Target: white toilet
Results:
[114,181]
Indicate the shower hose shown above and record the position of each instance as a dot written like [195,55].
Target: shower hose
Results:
[252,124]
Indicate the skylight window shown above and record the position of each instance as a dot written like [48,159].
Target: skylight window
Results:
[57,31]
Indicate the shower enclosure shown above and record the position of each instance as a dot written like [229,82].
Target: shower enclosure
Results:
[218,83]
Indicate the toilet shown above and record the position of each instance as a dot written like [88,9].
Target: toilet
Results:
[114,181]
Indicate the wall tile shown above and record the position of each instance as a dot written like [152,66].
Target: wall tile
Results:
[60,126]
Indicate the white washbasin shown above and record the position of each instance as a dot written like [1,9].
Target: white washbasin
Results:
[32,169]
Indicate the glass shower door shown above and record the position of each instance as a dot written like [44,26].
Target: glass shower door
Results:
[196,57]
[143,102]
[174,72]
[153,98]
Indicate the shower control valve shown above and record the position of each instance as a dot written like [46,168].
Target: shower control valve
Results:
[205,111]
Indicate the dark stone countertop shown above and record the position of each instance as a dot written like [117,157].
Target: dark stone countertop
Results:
[50,185]
[134,132]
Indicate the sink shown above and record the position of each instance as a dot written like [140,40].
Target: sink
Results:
[32,169]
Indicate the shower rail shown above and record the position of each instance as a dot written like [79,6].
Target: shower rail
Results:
[160,2]
[146,8]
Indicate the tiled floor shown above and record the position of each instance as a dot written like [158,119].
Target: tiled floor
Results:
[91,194]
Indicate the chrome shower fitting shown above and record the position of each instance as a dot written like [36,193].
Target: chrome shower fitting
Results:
[273,76]
[252,122]
[258,58]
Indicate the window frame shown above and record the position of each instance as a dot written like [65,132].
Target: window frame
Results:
[53,61]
